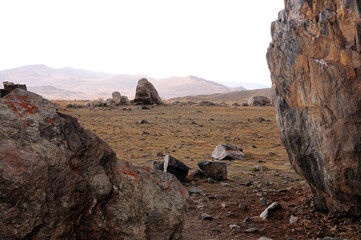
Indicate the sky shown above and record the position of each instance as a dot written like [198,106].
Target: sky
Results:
[220,40]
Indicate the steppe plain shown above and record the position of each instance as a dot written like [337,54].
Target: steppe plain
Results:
[190,133]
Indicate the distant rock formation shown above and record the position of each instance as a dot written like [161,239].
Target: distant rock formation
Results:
[259,101]
[315,65]
[60,181]
[146,94]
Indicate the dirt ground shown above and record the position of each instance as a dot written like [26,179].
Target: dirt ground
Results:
[190,133]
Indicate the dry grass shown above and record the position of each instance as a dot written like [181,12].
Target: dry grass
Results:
[189,133]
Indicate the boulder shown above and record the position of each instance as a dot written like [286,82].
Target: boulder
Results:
[60,181]
[146,94]
[228,152]
[314,59]
[124,100]
[173,166]
[270,210]
[116,96]
[214,169]
[259,101]
[119,99]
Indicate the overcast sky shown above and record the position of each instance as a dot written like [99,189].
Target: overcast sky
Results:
[219,40]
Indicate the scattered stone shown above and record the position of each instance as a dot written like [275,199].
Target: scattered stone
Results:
[235,104]
[270,210]
[143,107]
[206,103]
[143,121]
[254,146]
[194,191]
[228,152]
[216,229]
[144,133]
[234,226]
[198,174]
[264,238]
[230,214]
[146,94]
[243,206]
[210,180]
[251,230]
[224,205]
[224,184]
[263,201]
[172,165]
[160,154]
[214,169]
[249,183]
[205,216]
[259,101]
[247,220]
[293,219]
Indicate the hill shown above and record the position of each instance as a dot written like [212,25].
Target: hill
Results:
[224,97]
[69,83]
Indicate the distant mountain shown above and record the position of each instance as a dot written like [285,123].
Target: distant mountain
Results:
[247,85]
[69,83]
[223,97]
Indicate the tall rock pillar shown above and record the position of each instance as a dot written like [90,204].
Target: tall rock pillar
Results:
[315,65]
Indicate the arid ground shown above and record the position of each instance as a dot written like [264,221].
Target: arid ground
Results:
[190,133]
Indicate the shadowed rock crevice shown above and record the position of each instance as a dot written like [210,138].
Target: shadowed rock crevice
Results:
[315,66]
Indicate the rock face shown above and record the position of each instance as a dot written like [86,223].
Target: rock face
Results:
[146,94]
[259,101]
[9,87]
[173,166]
[59,181]
[315,65]
[228,152]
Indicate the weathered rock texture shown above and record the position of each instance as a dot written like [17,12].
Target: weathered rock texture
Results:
[146,93]
[315,64]
[59,181]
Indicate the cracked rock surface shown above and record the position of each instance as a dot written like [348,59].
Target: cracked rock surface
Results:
[59,181]
[315,65]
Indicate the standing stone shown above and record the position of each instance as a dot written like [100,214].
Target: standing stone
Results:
[258,101]
[60,181]
[173,166]
[214,169]
[228,152]
[315,65]
[146,94]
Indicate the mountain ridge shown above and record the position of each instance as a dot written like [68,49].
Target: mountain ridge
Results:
[73,83]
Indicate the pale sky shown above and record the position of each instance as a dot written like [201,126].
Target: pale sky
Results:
[219,40]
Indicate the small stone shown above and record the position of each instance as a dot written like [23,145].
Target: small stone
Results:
[264,238]
[251,230]
[201,205]
[230,214]
[234,226]
[224,205]
[247,220]
[197,174]
[254,146]
[196,191]
[205,216]
[270,210]
[216,229]
[225,184]
[293,219]
[143,121]
[263,201]
[243,206]
[249,183]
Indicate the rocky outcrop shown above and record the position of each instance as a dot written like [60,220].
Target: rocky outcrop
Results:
[315,65]
[59,181]
[146,94]
[259,101]
[119,99]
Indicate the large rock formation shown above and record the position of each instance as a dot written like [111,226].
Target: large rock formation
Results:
[315,64]
[146,94]
[59,181]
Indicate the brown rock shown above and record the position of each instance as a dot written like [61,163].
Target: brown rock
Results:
[146,94]
[315,65]
[59,181]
